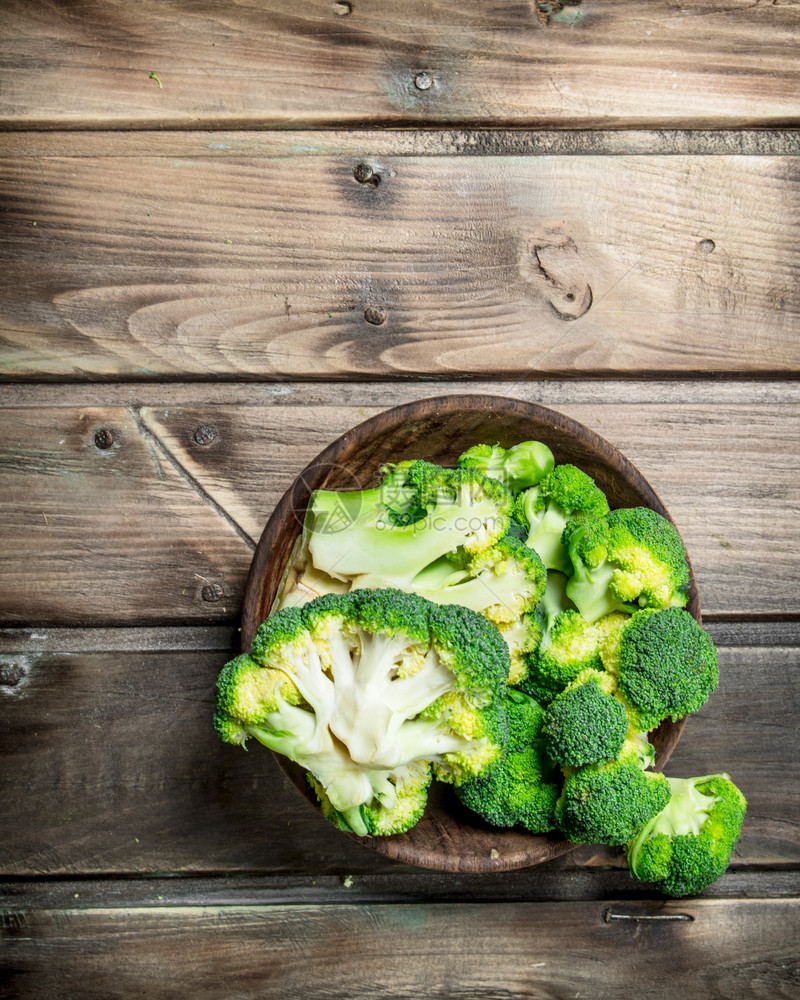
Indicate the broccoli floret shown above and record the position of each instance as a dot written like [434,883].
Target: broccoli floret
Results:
[586,723]
[629,559]
[545,509]
[571,646]
[688,845]
[522,638]
[610,802]
[517,468]
[665,664]
[517,790]
[502,582]
[463,510]
[362,689]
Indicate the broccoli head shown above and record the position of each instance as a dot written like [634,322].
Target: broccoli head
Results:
[452,510]
[571,646]
[518,790]
[610,802]
[586,723]
[629,559]
[517,468]
[665,664]
[545,509]
[688,845]
[364,690]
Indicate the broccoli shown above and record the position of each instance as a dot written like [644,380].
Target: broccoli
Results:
[629,559]
[545,509]
[503,582]
[610,802]
[363,690]
[455,510]
[586,723]
[688,845]
[517,790]
[517,468]
[570,646]
[522,638]
[665,665]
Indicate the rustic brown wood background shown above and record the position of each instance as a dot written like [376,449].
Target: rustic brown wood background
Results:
[228,234]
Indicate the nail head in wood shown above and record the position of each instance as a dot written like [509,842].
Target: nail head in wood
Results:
[374,316]
[205,434]
[364,173]
[213,592]
[103,439]
[11,674]
[706,246]
[423,81]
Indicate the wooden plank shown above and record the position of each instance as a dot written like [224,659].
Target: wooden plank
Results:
[396,142]
[570,882]
[135,532]
[100,526]
[398,62]
[524,267]
[114,768]
[712,949]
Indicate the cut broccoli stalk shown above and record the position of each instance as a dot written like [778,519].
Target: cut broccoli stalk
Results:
[462,510]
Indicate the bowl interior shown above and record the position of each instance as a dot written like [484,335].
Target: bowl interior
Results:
[448,837]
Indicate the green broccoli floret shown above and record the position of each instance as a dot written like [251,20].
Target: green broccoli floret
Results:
[629,559]
[665,665]
[502,582]
[517,468]
[610,802]
[571,646]
[362,689]
[461,510]
[586,723]
[545,509]
[522,638]
[688,845]
[518,790]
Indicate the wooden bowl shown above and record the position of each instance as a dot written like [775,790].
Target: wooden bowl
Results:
[448,837]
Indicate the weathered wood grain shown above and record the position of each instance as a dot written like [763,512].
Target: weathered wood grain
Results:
[113,767]
[193,64]
[712,949]
[399,885]
[371,142]
[135,532]
[100,526]
[529,267]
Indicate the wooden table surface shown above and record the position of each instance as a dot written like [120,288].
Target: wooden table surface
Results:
[230,232]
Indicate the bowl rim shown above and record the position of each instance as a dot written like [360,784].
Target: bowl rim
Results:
[313,476]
